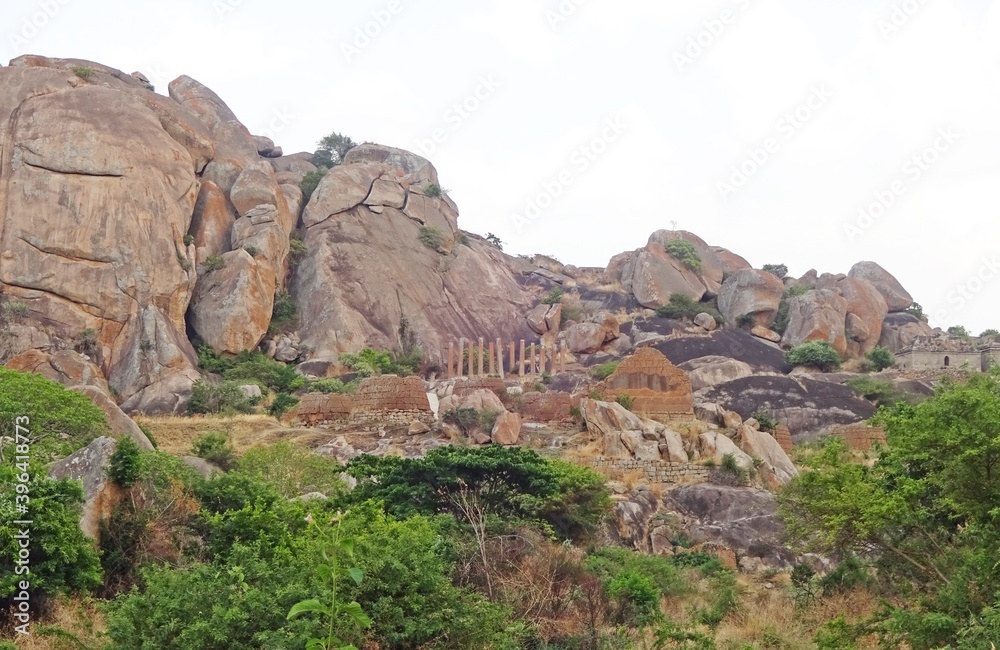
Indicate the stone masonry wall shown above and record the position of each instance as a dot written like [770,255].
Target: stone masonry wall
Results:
[860,437]
[655,471]
[389,393]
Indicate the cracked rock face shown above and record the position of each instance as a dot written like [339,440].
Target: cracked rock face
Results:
[367,268]
[98,181]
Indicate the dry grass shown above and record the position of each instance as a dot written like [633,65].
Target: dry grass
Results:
[79,618]
[175,435]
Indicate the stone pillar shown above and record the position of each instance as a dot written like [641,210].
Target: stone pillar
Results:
[541,358]
[499,358]
[513,357]
[461,358]
[481,348]
[493,365]
[531,363]
[520,367]
[451,360]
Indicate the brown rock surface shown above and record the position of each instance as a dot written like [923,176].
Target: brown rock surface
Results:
[709,371]
[585,338]
[730,262]
[232,306]
[549,406]
[543,318]
[766,334]
[896,297]
[902,330]
[212,222]
[751,292]
[364,271]
[89,466]
[507,430]
[97,192]
[866,309]
[818,315]
[66,367]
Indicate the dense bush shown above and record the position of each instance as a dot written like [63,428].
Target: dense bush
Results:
[61,421]
[371,362]
[123,468]
[509,482]
[332,149]
[63,560]
[431,237]
[283,314]
[554,297]
[780,271]
[283,403]
[310,182]
[215,448]
[815,354]
[224,398]
[685,252]
[680,307]
[292,470]
[881,358]
[767,423]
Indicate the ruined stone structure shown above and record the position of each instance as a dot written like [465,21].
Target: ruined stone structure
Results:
[387,400]
[469,386]
[947,353]
[784,437]
[661,391]
[549,406]
[654,471]
[860,436]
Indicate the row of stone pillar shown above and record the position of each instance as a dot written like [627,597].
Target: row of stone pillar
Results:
[480,360]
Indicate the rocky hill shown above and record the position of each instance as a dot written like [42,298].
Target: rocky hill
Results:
[133,224]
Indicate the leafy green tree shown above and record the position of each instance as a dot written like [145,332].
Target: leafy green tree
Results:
[881,358]
[989,333]
[927,511]
[959,331]
[778,270]
[63,559]
[60,421]
[815,354]
[332,150]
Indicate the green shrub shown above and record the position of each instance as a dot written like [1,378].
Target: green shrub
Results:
[310,182]
[215,448]
[685,252]
[188,239]
[84,72]
[283,403]
[283,314]
[331,386]
[606,562]
[253,250]
[880,391]
[680,307]
[13,311]
[465,418]
[626,401]
[214,263]
[86,342]
[959,331]
[253,367]
[63,559]
[782,316]
[431,237]
[746,321]
[292,470]
[222,398]
[731,466]
[297,249]
[815,354]
[916,310]
[554,297]
[780,271]
[604,370]
[493,239]
[60,421]
[369,362]
[638,599]
[488,419]
[989,333]
[433,190]
[123,467]
[881,358]
[767,423]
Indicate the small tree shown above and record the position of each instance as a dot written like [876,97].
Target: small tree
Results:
[815,354]
[959,331]
[493,239]
[780,271]
[881,358]
[332,150]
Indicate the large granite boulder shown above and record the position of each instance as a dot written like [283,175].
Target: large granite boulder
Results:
[757,293]
[817,315]
[98,191]
[901,330]
[709,371]
[896,297]
[90,466]
[866,309]
[367,269]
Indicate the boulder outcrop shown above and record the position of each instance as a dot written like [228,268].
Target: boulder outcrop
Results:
[757,293]
[896,297]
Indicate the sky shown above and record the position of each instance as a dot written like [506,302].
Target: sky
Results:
[810,134]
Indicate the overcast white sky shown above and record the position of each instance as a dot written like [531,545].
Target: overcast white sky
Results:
[874,83]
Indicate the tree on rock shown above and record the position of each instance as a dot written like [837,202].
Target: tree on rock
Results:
[332,150]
